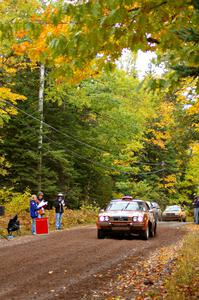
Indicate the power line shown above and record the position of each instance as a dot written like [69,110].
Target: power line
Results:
[83,157]
[104,166]
[55,129]
[96,163]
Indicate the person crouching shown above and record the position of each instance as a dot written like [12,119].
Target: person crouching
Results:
[59,209]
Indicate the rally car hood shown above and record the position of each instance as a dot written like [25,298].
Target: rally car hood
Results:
[122,213]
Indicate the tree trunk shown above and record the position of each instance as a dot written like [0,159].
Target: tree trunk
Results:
[41,115]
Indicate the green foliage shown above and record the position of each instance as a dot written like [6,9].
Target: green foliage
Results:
[109,133]
[109,140]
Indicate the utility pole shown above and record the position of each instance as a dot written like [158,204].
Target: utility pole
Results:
[163,165]
[41,116]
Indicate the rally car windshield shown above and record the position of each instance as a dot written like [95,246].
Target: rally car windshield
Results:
[126,206]
[173,208]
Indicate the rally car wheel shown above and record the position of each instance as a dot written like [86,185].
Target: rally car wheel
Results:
[145,234]
[100,234]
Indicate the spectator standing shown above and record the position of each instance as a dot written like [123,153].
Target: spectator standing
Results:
[34,211]
[59,209]
[196,210]
[40,198]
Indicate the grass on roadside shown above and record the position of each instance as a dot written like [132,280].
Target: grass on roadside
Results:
[183,283]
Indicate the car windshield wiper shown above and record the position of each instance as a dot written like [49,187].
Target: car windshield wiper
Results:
[125,207]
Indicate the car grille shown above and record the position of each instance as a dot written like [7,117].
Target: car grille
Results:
[170,215]
[120,219]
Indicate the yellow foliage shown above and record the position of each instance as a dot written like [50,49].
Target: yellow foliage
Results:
[160,138]
[5,165]
[118,162]
[21,33]
[194,109]
[158,143]
[162,135]
[21,48]
[132,6]
[193,168]
[170,178]
[87,71]
[188,86]
[146,168]
[10,70]
[59,62]
[195,148]
[169,183]
[6,94]
[37,46]
[166,111]
[172,191]
[197,127]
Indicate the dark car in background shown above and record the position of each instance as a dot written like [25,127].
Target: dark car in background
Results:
[174,213]
[126,216]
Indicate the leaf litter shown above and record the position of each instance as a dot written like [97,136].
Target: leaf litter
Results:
[145,280]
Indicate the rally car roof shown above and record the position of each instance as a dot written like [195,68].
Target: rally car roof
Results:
[127,200]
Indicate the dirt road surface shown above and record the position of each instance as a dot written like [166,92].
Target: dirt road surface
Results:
[72,264]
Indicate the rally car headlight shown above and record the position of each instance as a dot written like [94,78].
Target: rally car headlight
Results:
[103,218]
[138,219]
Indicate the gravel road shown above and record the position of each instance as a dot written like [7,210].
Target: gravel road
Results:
[71,264]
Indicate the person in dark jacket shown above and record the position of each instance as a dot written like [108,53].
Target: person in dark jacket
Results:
[34,211]
[13,225]
[196,210]
[59,209]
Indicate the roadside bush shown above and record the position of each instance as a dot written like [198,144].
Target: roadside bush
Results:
[6,195]
[90,207]
[15,203]
[19,203]
[189,214]
[85,215]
